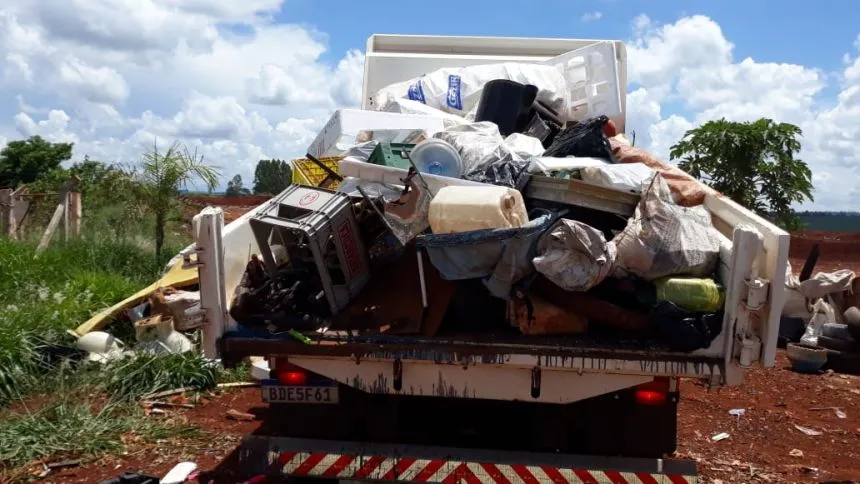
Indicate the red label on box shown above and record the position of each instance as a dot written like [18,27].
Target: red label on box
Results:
[350,251]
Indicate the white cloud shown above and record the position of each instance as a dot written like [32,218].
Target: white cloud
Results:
[591,16]
[689,63]
[114,76]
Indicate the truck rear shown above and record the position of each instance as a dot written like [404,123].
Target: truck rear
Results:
[484,406]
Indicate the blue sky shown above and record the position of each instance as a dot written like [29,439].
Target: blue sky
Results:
[257,78]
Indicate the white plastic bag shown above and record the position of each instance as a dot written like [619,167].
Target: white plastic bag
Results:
[631,177]
[457,90]
[574,256]
[408,106]
[801,295]
[822,313]
[481,144]
[664,239]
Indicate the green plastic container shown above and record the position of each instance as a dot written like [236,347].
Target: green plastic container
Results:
[694,295]
[391,154]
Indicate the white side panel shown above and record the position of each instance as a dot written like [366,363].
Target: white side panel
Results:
[769,264]
[208,225]
[397,58]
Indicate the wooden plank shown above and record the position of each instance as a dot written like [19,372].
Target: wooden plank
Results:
[52,226]
[75,211]
[66,220]
[21,208]
[7,220]
[582,194]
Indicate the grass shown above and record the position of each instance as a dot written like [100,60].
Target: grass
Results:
[52,403]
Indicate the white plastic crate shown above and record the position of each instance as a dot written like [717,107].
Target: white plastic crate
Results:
[395,58]
[593,81]
[343,128]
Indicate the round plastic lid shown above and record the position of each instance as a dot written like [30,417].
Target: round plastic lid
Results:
[437,157]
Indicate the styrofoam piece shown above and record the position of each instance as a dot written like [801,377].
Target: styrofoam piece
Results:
[395,58]
[343,128]
[544,164]
[395,176]
[179,473]
[260,369]
[593,81]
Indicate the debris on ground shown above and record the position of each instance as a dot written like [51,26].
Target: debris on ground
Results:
[241,416]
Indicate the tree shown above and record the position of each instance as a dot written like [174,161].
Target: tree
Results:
[235,187]
[24,161]
[161,177]
[753,163]
[272,176]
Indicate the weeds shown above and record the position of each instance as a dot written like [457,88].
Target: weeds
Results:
[67,427]
[136,377]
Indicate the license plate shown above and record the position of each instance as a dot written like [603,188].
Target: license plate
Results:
[297,394]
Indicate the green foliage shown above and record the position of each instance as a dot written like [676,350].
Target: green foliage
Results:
[163,175]
[24,161]
[235,187]
[272,177]
[40,299]
[71,427]
[753,163]
[136,377]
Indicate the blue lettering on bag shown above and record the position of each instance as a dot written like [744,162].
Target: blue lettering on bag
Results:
[454,99]
[416,92]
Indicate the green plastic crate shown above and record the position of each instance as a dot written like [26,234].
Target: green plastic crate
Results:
[392,154]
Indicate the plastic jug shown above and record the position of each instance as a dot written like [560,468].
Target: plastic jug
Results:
[694,295]
[437,157]
[465,208]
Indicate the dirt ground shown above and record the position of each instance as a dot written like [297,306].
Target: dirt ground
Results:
[838,250]
[764,444]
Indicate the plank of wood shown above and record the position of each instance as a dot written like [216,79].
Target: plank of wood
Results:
[75,211]
[49,232]
[7,221]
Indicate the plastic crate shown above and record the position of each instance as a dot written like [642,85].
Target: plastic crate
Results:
[392,154]
[309,174]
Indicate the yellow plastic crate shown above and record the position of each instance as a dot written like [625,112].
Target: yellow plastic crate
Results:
[307,173]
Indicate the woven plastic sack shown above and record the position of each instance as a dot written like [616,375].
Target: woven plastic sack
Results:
[574,256]
[664,239]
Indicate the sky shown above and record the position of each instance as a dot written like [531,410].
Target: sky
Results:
[244,80]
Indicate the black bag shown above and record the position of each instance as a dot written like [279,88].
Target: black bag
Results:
[585,139]
[682,330]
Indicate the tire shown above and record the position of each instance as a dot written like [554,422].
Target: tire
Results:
[837,331]
[843,362]
[849,346]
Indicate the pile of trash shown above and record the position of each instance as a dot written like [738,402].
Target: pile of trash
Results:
[488,199]
[820,322]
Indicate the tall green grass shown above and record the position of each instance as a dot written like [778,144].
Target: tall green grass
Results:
[42,298]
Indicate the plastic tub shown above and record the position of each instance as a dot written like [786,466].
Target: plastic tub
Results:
[437,157]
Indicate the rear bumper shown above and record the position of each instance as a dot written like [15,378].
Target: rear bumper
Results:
[283,456]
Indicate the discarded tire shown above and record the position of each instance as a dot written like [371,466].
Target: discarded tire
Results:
[838,344]
[852,320]
[837,331]
[843,362]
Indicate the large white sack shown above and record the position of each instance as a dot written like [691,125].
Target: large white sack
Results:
[457,90]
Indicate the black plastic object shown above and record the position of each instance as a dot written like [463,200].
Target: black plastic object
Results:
[508,104]
[790,330]
[132,478]
[809,265]
[585,139]
[682,330]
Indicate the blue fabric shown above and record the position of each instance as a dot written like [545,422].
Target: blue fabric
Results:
[500,256]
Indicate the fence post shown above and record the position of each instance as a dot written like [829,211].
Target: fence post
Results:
[75,210]
[7,219]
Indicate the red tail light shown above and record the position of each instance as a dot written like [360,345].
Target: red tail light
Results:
[289,374]
[655,392]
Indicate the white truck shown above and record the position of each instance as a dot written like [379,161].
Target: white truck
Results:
[442,409]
